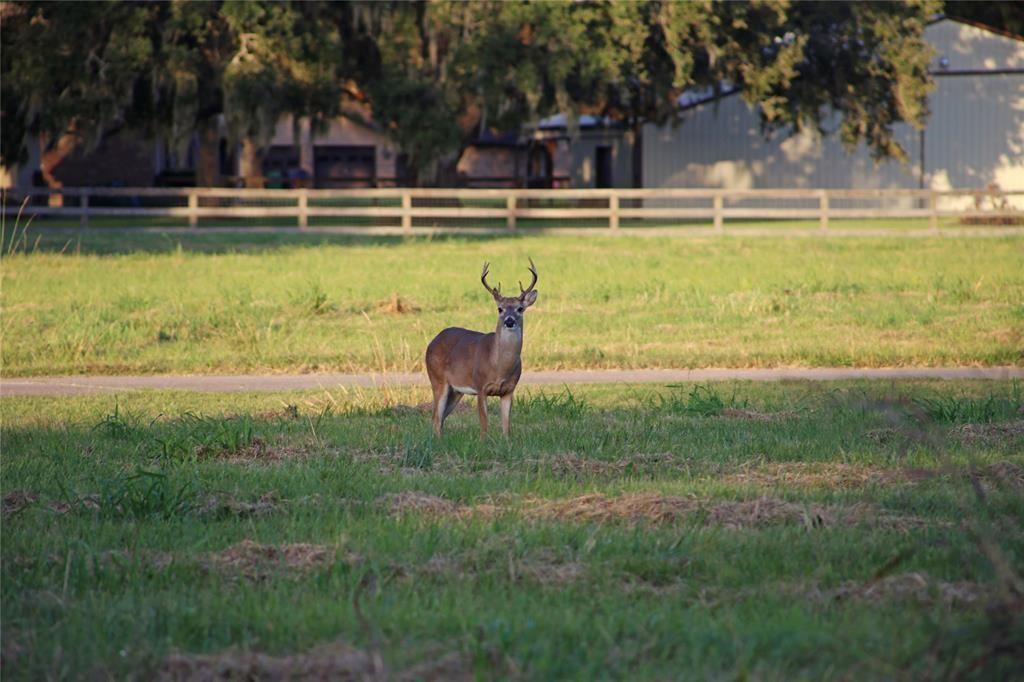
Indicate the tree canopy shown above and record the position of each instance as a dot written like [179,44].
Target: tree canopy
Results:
[77,71]
[438,75]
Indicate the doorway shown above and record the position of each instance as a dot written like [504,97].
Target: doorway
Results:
[603,166]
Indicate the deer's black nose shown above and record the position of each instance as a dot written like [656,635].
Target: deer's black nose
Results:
[510,321]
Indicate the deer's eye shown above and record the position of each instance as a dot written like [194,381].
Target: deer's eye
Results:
[499,311]
[519,309]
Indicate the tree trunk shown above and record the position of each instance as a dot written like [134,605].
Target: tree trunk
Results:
[53,156]
[447,174]
[208,156]
[250,163]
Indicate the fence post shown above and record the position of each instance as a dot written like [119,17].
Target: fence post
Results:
[613,212]
[510,215]
[193,210]
[303,209]
[933,212]
[823,210]
[718,206]
[83,209]
[406,213]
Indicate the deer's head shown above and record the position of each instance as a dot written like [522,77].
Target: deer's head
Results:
[511,308]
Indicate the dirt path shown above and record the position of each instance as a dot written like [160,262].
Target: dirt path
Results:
[76,385]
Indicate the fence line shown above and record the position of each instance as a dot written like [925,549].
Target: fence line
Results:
[507,207]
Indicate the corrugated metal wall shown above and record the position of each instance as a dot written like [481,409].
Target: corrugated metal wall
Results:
[975,135]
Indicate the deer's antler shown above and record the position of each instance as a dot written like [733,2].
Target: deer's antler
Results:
[494,291]
[533,271]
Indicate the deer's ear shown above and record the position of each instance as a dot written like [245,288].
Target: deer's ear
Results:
[529,298]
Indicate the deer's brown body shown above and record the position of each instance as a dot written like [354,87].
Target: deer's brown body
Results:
[465,362]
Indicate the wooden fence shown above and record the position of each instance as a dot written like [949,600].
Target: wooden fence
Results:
[408,210]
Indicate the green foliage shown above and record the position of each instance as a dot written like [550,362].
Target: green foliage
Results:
[118,424]
[1002,16]
[136,494]
[253,62]
[191,435]
[72,68]
[704,400]
[545,404]
[952,408]
[867,62]
[439,74]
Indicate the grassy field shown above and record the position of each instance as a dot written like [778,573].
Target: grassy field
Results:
[146,303]
[766,531]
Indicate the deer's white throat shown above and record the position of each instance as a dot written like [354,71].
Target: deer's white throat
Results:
[508,344]
[509,340]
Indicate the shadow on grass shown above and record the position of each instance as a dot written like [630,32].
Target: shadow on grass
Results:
[114,241]
[370,469]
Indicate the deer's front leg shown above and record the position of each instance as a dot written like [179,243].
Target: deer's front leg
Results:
[506,414]
[481,408]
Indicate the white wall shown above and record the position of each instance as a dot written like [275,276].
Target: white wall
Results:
[341,131]
[975,135]
[583,150]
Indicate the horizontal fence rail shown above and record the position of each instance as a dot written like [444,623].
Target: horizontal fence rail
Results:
[409,210]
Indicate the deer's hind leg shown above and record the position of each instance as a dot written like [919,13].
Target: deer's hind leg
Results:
[506,414]
[441,394]
[453,400]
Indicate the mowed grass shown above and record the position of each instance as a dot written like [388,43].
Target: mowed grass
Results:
[773,531]
[150,303]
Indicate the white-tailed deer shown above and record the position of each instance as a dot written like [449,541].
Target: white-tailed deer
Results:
[463,362]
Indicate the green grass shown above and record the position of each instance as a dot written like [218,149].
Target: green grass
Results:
[146,303]
[113,566]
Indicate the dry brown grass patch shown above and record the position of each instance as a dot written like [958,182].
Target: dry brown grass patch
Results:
[902,587]
[222,504]
[546,572]
[257,452]
[884,435]
[657,508]
[16,500]
[217,504]
[757,513]
[911,586]
[816,475]
[288,412]
[600,508]
[572,465]
[254,561]
[396,305]
[337,661]
[1007,473]
[89,502]
[768,511]
[848,476]
[996,434]
[412,502]
[541,568]
[755,415]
